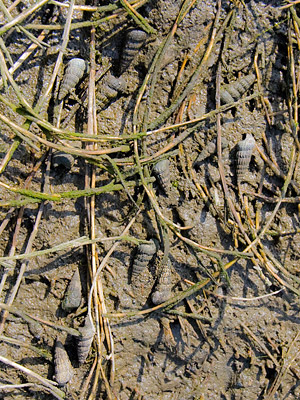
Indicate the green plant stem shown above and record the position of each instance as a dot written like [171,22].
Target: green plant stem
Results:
[73,194]
[73,244]
[138,19]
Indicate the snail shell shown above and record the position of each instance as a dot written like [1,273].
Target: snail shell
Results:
[210,149]
[243,155]
[62,364]
[111,86]
[36,329]
[134,41]
[85,340]
[163,288]
[72,298]
[144,255]
[162,172]
[233,91]
[61,160]
[74,72]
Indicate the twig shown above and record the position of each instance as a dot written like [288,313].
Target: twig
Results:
[85,24]
[21,28]
[26,13]
[72,244]
[31,318]
[102,325]
[19,94]
[50,385]
[260,343]
[69,149]
[88,380]
[62,50]
[196,122]
[12,249]
[189,315]
[291,4]
[137,17]
[214,37]
[27,250]
[100,9]
[229,298]
[43,353]
[106,258]
[24,56]
[287,361]
[13,387]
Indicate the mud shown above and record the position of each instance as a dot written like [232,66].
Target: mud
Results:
[236,337]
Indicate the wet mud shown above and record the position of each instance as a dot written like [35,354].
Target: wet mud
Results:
[200,297]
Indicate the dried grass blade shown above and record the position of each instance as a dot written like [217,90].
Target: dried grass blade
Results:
[50,385]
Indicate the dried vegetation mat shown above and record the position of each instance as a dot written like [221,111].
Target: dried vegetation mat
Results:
[149,200]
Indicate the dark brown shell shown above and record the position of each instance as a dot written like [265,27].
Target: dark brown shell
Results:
[163,288]
[210,149]
[233,91]
[62,161]
[134,42]
[85,341]
[161,171]
[62,364]
[74,72]
[244,152]
[144,255]
[111,87]
[72,298]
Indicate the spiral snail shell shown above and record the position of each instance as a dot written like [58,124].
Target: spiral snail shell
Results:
[62,161]
[134,41]
[62,364]
[36,329]
[161,171]
[85,341]
[163,288]
[74,72]
[210,149]
[243,155]
[144,255]
[233,91]
[110,89]
[72,298]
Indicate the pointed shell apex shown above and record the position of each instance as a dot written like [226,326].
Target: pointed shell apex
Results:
[75,70]
[72,298]
[85,341]
[62,365]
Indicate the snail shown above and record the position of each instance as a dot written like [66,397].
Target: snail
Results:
[85,341]
[233,91]
[74,72]
[144,255]
[134,42]
[36,329]
[72,298]
[163,288]
[62,161]
[110,88]
[243,155]
[62,364]
[210,149]
[162,172]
